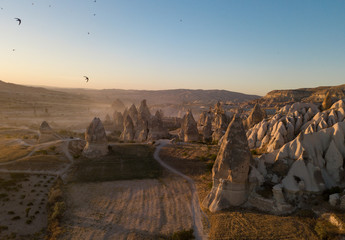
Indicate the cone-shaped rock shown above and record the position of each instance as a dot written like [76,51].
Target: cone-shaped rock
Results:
[128,130]
[96,140]
[46,133]
[157,129]
[118,121]
[144,119]
[118,105]
[230,170]
[327,102]
[133,113]
[220,124]
[207,129]
[189,131]
[256,116]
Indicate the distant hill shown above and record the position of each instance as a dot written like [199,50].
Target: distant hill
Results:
[176,96]
[315,95]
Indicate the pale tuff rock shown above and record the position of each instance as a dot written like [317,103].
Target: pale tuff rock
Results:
[46,133]
[189,131]
[327,102]
[334,199]
[256,115]
[220,125]
[133,113]
[157,129]
[107,120]
[128,132]
[118,105]
[96,140]
[292,120]
[314,160]
[118,121]
[207,129]
[143,122]
[230,170]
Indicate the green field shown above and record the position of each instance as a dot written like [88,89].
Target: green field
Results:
[126,161]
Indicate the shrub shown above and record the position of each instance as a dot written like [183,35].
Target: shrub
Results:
[52,148]
[3,228]
[213,157]
[58,210]
[183,235]
[28,221]
[16,218]
[27,210]
[10,212]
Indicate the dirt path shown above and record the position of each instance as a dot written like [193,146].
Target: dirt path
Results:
[196,211]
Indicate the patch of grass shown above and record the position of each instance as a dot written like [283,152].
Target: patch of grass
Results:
[134,161]
[41,152]
[325,230]
[213,157]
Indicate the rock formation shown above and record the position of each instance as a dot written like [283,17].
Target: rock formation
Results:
[133,113]
[107,120]
[220,125]
[271,134]
[327,102]
[157,129]
[313,161]
[118,105]
[118,121]
[46,133]
[230,170]
[256,115]
[207,129]
[143,122]
[128,132]
[189,131]
[96,140]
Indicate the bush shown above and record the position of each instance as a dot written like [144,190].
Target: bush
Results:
[10,213]
[29,221]
[325,230]
[3,228]
[209,166]
[213,157]
[58,210]
[52,148]
[16,218]
[183,235]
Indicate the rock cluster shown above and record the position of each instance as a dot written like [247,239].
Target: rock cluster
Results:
[219,122]
[230,170]
[118,121]
[118,105]
[256,116]
[46,133]
[96,140]
[189,131]
[139,125]
[271,134]
[313,162]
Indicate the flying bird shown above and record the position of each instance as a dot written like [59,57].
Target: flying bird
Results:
[19,20]
[86,78]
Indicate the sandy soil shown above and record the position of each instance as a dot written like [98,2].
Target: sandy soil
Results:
[23,204]
[127,209]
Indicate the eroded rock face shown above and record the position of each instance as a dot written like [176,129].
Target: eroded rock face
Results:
[256,115]
[118,105]
[230,170]
[118,121]
[157,129]
[220,125]
[128,132]
[207,129]
[46,133]
[189,131]
[133,113]
[96,140]
[144,119]
[327,102]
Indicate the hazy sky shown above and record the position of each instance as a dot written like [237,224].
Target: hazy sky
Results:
[245,46]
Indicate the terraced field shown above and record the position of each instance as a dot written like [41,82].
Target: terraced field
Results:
[139,209]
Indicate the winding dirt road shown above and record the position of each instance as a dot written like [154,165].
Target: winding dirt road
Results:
[196,211]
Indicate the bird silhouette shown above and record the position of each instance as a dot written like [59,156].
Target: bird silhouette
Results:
[86,78]
[19,20]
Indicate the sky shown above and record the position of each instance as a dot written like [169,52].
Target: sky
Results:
[244,46]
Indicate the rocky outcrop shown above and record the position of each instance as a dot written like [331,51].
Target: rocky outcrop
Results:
[143,122]
[220,124]
[256,116]
[189,131]
[46,133]
[207,129]
[118,121]
[128,132]
[118,105]
[107,120]
[313,161]
[327,102]
[157,129]
[133,113]
[230,170]
[271,134]
[96,140]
